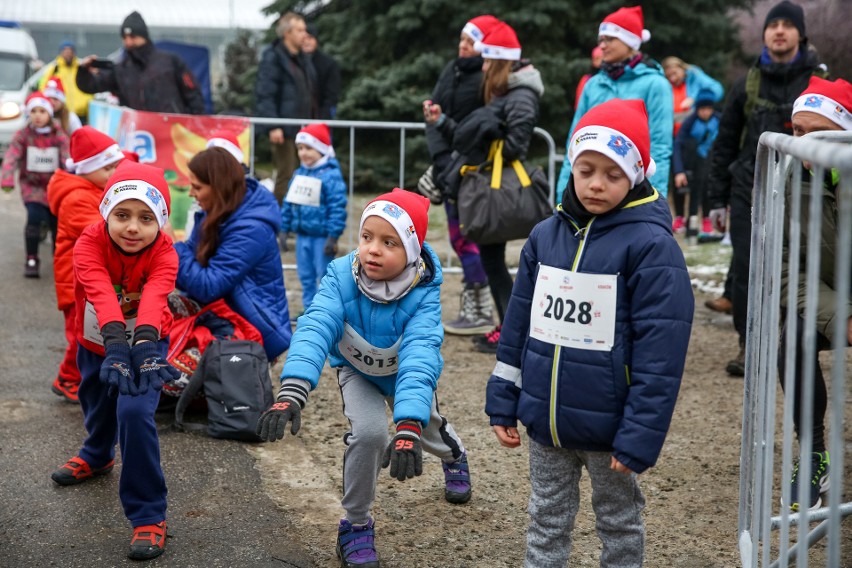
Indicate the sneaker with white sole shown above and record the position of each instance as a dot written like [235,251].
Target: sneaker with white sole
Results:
[817,486]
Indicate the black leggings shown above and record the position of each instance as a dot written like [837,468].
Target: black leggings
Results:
[499,280]
[820,393]
[37,215]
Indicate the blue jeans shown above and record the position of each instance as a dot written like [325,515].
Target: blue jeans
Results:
[311,264]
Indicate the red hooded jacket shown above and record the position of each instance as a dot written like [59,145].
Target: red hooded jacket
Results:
[113,286]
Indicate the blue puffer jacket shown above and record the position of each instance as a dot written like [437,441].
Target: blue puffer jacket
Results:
[416,318]
[327,220]
[697,80]
[620,400]
[645,82]
[246,268]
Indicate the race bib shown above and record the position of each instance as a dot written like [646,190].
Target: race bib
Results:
[574,309]
[92,331]
[373,361]
[42,160]
[304,191]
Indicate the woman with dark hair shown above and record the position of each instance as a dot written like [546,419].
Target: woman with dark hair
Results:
[232,252]
[511,89]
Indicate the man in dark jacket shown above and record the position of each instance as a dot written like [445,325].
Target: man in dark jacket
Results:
[286,88]
[760,102]
[328,75]
[146,78]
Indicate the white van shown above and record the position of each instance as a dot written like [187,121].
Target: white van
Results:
[18,62]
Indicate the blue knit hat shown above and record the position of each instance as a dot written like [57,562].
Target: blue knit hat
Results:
[704,98]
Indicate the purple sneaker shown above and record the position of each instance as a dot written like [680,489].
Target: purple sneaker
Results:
[355,545]
[457,479]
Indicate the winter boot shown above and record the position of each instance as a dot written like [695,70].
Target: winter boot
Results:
[475,312]
[31,267]
[457,480]
[356,545]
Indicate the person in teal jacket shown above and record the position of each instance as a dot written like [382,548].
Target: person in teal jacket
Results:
[626,73]
[377,317]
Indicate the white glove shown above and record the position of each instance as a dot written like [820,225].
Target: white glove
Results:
[719,218]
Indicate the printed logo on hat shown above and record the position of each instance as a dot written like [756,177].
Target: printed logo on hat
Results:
[392,210]
[153,195]
[619,145]
[813,101]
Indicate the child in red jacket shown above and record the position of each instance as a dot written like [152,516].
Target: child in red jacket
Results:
[37,150]
[74,196]
[125,268]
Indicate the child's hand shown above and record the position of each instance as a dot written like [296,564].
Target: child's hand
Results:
[619,467]
[507,435]
[680,180]
[404,454]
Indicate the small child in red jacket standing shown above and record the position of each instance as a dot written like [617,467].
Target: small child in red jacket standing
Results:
[125,268]
[74,197]
[37,150]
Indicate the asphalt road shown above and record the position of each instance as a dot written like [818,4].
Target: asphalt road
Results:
[218,512]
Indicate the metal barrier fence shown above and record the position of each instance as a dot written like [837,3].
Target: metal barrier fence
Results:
[779,173]
[403,128]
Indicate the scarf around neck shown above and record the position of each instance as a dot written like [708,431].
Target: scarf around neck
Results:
[616,70]
[386,291]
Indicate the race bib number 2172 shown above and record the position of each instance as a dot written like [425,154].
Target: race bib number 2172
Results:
[574,309]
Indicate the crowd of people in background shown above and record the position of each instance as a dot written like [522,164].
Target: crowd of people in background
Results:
[641,130]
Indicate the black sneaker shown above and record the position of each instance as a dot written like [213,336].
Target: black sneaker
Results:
[488,343]
[31,267]
[818,485]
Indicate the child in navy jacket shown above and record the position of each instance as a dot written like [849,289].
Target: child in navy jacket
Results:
[594,341]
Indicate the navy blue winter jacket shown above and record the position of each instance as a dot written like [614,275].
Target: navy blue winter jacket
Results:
[246,268]
[618,401]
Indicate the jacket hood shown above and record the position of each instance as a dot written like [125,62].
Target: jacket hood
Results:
[62,184]
[259,204]
[434,276]
[330,163]
[529,77]
[651,208]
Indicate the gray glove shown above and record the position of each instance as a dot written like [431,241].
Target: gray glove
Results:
[719,218]
[330,248]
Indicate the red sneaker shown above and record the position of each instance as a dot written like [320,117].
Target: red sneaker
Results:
[707,226]
[76,470]
[66,389]
[678,226]
[149,541]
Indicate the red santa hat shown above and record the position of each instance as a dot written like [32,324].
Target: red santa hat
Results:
[831,99]
[91,150]
[54,89]
[132,156]
[478,27]
[626,24]
[227,141]
[408,214]
[618,129]
[318,137]
[137,181]
[37,99]
[501,42]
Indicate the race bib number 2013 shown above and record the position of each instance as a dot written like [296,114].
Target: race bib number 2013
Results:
[371,360]
[574,309]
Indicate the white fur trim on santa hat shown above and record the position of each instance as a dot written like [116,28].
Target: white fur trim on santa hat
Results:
[615,146]
[497,52]
[400,220]
[824,106]
[630,39]
[229,146]
[313,142]
[106,157]
[136,189]
[44,103]
[51,90]
[473,31]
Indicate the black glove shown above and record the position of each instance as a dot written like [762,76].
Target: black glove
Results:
[404,454]
[330,248]
[152,369]
[116,369]
[282,240]
[271,424]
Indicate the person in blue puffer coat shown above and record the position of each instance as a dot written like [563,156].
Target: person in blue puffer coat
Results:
[377,317]
[594,341]
[626,73]
[232,252]
[314,207]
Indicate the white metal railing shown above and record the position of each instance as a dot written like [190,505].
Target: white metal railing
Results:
[403,127]
[778,174]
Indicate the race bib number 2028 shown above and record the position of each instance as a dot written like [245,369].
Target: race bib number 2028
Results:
[574,309]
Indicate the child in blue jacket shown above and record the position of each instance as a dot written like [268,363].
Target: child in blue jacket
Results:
[377,317]
[594,341]
[314,208]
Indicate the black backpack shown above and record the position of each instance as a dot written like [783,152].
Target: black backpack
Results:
[235,377]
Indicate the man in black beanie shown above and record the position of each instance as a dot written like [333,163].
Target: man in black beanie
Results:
[760,102]
[145,78]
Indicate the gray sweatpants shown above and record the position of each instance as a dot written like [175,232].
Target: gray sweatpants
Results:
[555,498]
[366,408]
